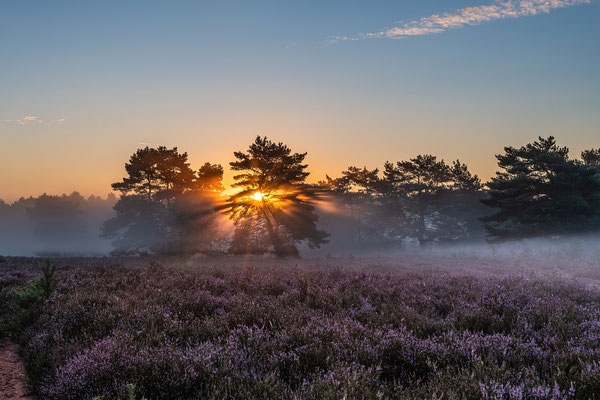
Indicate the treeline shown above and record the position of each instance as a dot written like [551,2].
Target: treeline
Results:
[167,207]
[55,225]
[423,201]
[539,191]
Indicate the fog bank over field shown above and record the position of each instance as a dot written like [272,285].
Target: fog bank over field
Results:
[70,225]
[55,225]
[564,249]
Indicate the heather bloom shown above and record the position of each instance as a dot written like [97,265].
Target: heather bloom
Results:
[361,331]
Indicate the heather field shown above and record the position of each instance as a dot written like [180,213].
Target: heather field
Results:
[462,326]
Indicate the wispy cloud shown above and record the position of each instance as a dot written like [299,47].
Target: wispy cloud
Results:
[29,119]
[499,9]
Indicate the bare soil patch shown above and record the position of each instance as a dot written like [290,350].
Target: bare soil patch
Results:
[12,373]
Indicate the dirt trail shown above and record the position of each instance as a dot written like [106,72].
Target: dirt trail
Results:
[12,373]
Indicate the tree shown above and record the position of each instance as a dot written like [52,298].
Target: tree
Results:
[140,226]
[4,208]
[355,197]
[58,222]
[210,178]
[161,201]
[422,195]
[591,157]
[462,179]
[157,174]
[461,203]
[273,209]
[542,192]
[196,219]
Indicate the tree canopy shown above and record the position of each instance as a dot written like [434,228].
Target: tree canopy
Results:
[273,208]
[165,206]
[432,197]
[156,173]
[591,157]
[540,191]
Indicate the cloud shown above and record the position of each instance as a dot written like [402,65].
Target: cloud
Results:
[59,120]
[31,119]
[499,9]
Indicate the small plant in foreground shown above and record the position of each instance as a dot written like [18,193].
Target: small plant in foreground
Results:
[131,392]
[39,289]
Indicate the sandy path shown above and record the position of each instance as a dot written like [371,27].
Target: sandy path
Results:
[12,373]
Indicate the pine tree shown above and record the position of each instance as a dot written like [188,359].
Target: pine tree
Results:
[426,198]
[156,173]
[273,209]
[591,157]
[164,206]
[196,221]
[355,195]
[542,192]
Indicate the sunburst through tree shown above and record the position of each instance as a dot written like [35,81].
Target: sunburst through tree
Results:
[273,210]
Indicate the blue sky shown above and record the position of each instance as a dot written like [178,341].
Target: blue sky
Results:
[107,77]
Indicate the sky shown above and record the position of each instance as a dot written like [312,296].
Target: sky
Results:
[83,84]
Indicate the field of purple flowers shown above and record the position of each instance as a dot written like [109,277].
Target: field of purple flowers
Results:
[409,328]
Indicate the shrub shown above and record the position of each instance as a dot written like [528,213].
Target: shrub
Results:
[38,289]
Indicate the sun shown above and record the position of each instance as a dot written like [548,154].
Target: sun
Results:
[258,196]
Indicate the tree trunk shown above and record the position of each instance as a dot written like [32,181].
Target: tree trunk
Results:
[421,227]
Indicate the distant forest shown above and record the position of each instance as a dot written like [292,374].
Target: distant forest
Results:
[164,206]
[51,225]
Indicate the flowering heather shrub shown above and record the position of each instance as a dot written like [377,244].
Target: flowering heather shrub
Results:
[371,331]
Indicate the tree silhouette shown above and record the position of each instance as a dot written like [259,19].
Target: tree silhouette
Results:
[273,209]
[210,178]
[462,179]
[58,220]
[542,192]
[356,192]
[164,204]
[4,208]
[140,226]
[196,219]
[156,173]
[422,195]
[591,157]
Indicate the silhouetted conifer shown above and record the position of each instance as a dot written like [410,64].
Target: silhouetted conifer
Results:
[540,191]
[273,210]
